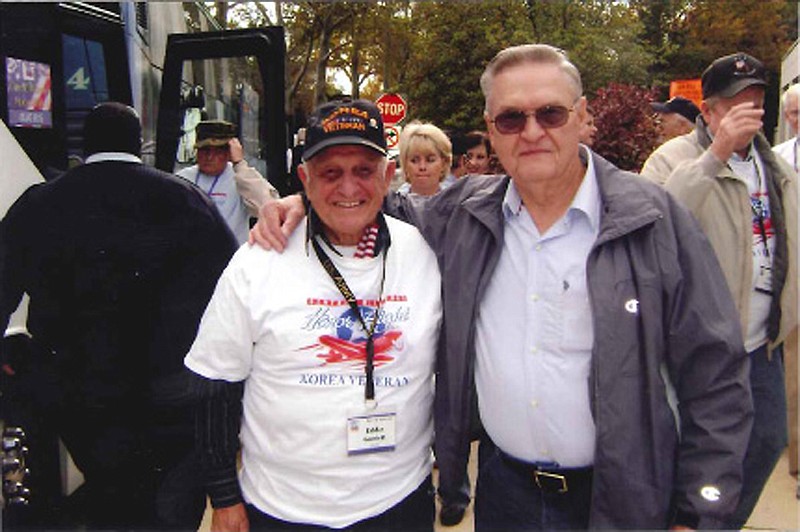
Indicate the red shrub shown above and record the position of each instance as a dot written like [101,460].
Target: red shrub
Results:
[626,127]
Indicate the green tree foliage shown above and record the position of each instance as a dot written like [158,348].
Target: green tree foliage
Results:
[660,33]
[374,48]
[452,43]
[347,36]
[717,28]
[433,52]
[600,37]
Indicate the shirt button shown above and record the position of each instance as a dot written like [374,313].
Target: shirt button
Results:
[534,403]
[538,247]
[534,350]
[534,297]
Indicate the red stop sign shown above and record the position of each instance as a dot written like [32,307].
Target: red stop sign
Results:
[392,107]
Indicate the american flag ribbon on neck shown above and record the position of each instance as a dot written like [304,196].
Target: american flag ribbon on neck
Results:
[366,246]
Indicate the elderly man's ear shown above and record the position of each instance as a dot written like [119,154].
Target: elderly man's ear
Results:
[301,173]
[391,168]
[581,109]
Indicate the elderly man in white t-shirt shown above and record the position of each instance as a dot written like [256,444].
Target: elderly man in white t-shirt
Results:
[321,358]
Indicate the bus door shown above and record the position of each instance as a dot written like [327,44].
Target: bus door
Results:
[234,75]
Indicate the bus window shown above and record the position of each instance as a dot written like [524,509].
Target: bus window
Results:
[84,73]
[232,90]
[85,85]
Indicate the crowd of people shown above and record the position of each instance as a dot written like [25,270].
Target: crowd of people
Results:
[622,346]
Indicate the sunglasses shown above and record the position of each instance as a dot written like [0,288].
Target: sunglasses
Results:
[548,117]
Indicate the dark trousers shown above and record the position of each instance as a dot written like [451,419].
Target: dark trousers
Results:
[415,513]
[144,498]
[769,436]
[508,499]
[459,497]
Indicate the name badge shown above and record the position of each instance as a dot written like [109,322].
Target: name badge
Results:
[764,278]
[372,432]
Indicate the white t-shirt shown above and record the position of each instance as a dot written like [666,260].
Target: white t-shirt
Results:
[788,150]
[278,322]
[751,170]
[222,191]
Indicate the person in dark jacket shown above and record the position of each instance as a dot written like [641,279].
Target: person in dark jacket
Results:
[586,321]
[119,261]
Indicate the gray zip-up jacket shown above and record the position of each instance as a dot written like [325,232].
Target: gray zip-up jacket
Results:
[669,379]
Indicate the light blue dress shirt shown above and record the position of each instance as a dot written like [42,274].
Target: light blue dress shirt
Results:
[535,334]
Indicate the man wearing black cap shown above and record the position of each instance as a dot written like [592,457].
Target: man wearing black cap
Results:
[222,172]
[322,358]
[119,260]
[677,116]
[746,200]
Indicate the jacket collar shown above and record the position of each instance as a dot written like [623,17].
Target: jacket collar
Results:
[627,203]
[486,204]
[626,206]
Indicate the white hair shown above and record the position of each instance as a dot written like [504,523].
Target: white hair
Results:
[792,92]
[533,54]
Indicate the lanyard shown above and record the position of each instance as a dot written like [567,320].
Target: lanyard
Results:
[344,289]
[213,185]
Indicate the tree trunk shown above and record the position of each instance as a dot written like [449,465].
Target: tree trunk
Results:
[322,65]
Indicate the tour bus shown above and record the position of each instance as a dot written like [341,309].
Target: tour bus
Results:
[63,58]
[60,60]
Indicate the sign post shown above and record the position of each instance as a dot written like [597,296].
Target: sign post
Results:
[392,134]
[392,107]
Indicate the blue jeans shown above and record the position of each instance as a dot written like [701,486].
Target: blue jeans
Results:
[508,501]
[769,436]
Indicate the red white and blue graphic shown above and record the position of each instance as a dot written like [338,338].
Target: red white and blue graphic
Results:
[347,346]
[762,219]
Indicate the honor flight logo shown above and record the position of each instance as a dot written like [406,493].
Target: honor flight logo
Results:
[348,343]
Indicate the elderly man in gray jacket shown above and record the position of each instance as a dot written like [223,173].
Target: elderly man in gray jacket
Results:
[587,321]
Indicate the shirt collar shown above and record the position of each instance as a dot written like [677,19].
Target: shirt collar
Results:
[750,157]
[112,156]
[586,200]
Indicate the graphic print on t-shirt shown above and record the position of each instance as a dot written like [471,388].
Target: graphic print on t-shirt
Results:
[343,339]
[761,215]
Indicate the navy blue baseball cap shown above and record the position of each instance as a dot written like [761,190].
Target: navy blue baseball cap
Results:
[356,122]
[682,106]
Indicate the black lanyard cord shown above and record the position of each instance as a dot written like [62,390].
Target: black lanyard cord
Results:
[344,289]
